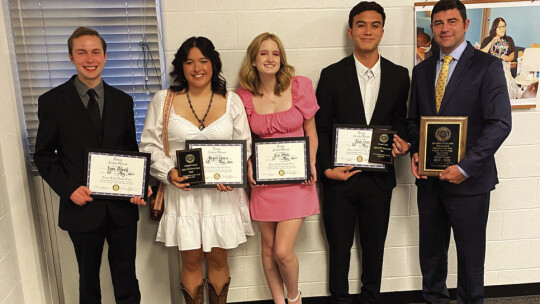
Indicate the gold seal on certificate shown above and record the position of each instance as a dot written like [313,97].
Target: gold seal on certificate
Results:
[282,160]
[223,162]
[368,148]
[117,174]
[443,141]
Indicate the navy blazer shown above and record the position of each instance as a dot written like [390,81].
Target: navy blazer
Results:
[338,95]
[477,89]
[64,132]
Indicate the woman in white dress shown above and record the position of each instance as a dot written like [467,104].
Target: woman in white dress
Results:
[202,223]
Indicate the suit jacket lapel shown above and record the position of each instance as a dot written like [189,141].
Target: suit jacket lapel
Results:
[430,77]
[74,103]
[460,70]
[384,87]
[108,111]
[352,79]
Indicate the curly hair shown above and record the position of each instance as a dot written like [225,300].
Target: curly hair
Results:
[249,76]
[219,85]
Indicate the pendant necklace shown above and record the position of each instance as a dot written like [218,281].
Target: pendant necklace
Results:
[201,121]
[272,101]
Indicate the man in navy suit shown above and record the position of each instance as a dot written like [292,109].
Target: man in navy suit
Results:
[364,89]
[458,198]
[85,112]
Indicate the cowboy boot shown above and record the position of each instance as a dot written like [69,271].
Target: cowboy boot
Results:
[190,299]
[213,295]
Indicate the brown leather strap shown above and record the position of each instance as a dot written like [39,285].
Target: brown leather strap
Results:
[158,205]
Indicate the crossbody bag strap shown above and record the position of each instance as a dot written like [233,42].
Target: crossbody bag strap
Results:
[165,140]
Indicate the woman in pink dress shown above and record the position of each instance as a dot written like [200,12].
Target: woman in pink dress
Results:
[278,104]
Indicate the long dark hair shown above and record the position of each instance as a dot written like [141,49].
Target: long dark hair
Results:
[495,25]
[219,85]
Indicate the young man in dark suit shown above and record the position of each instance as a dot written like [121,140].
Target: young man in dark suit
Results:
[364,89]
[83,113]
[458,81]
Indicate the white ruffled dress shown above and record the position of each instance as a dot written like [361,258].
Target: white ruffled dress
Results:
[203,216]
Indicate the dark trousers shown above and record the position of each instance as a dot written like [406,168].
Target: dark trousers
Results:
[368,206]
[467,216]
[122,246]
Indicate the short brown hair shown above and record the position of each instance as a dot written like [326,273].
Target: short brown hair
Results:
[444,5]
[85,31]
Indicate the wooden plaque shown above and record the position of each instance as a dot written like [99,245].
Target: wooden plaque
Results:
[443,141]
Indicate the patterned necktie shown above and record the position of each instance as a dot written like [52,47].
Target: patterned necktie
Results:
[441,81]
[93,109]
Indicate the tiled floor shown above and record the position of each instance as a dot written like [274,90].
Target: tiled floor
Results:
[520,300]
[517,300]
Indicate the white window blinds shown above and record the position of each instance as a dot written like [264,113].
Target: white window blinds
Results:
[41,29]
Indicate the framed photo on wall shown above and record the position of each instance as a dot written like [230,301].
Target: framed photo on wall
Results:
[509,30]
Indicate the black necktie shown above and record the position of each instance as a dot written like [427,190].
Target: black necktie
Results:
[93,109]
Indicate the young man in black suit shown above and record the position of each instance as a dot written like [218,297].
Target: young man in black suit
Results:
[83,113]
[365,89]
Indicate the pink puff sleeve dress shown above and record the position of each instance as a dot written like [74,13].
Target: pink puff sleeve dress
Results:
[275,203]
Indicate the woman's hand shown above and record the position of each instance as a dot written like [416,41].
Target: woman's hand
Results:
[313,178]
[251,181]
[223,188]
[177,180]
[488,46]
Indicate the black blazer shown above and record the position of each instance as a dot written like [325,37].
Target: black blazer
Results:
[64,131]
[477,89]
[338,95]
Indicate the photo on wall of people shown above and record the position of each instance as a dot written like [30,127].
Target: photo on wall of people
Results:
[507,30]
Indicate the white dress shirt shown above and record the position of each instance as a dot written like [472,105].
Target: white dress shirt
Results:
[370,82]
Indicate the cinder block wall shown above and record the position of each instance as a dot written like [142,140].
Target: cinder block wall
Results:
[314,35]
[10,280]
[21,271]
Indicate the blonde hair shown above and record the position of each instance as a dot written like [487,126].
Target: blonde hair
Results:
[249,77]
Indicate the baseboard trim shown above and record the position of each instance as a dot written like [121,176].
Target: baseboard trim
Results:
[415,296]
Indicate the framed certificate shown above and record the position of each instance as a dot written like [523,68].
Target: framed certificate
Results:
[223,162]
[443,141]
[368,148]
[117,174]
[281,160]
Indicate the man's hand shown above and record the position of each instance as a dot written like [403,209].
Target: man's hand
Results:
[341,173]
[81,196]
[452,175]
[414,166]
[399,147]
[137,200]
[176,180]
